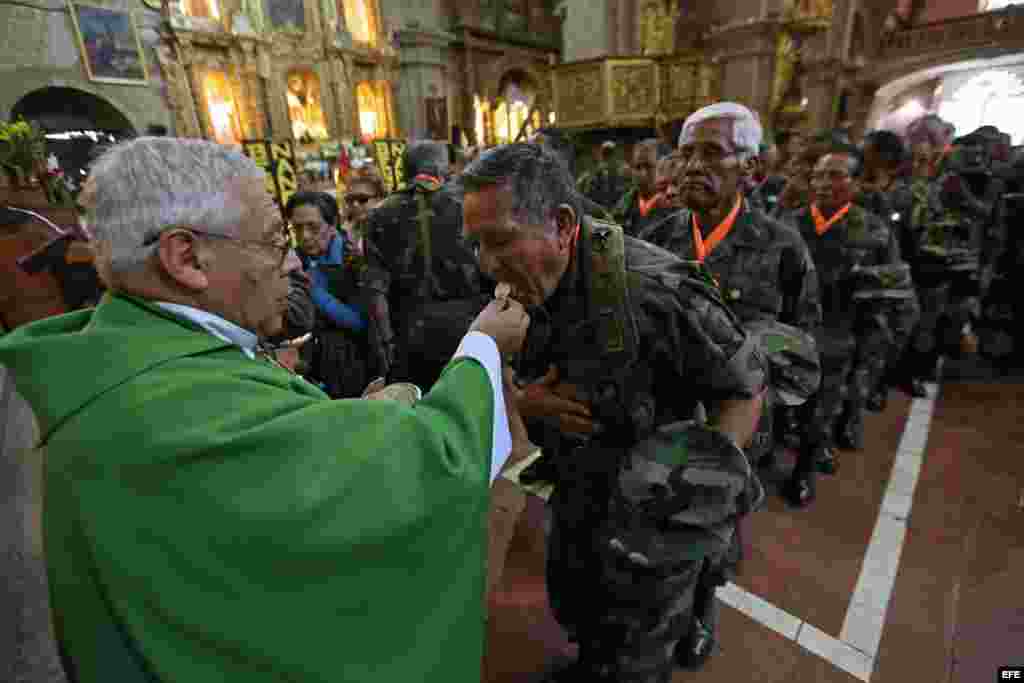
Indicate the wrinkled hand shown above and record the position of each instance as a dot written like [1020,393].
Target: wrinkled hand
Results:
[506,326]
[289,354]
[552,399]
[738,419]
[521,446]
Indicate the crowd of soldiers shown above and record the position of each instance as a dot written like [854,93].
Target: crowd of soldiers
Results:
[847,270]
[671,301]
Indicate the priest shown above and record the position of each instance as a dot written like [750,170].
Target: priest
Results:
[210,516]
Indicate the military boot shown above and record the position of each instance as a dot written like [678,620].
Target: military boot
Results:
[878,399]
[799,490]
[693,651]
[826,460]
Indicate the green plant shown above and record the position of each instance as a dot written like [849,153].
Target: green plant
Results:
[22,149]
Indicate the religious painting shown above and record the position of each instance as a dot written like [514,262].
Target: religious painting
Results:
[374,101]
[304,106]
[221,108]
[286,14]
[437,117]
[201,9]
[108,40]
[361,20]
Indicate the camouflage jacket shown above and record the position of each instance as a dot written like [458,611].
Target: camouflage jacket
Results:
[415,252]
[895,206]
[974,225]
[627,214]
[859,239]
[763,266]
[689,348]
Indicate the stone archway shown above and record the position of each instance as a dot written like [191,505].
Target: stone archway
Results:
[75,122]
[58,110]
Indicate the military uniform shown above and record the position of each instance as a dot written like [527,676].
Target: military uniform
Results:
[629,214]
[850,343]
[418,263]
[640,507]
[896,207]
[969,239]
[765,273]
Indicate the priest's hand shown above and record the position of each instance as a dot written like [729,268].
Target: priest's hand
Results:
[507,327]
[551,399]
[288,354]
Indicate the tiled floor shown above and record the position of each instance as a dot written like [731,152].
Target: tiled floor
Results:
[957,606]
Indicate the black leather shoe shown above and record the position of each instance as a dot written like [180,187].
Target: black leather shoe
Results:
[799,492]
[850,438]
[695,650]
[826,461]
[916,388]
[877,400]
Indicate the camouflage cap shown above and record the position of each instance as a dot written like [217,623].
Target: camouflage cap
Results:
[794,368]
[889,281]
[682,491]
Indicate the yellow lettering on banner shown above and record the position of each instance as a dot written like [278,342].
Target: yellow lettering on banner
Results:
[271,185]
[286,180]
[281,150]
[257,151]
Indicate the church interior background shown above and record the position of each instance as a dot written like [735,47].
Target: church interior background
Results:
[331,76]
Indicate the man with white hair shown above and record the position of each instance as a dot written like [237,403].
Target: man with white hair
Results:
[209,515]
[765,273]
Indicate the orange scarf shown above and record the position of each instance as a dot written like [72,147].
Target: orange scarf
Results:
[704,247]
[821,225]
[647,204]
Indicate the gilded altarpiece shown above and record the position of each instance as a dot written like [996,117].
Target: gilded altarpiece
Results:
[633,92]
[254,55]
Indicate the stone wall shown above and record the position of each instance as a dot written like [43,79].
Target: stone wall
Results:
[40,50]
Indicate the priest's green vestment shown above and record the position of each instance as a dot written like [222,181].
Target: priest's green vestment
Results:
[213,518]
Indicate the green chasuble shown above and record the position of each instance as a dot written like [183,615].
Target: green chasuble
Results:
[209,517]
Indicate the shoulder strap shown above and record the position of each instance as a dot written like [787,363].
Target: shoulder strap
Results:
[617,331]
[423,215]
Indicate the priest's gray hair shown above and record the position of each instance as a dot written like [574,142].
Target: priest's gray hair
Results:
[746,126]
[150,184]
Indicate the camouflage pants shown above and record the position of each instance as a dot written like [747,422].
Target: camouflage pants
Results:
[903,320]
[626,621]
[763,440]
[823,410]
[926,341]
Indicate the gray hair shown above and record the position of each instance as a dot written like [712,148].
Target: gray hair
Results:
[746,128]
[426,156]
[147,185]
[535,174]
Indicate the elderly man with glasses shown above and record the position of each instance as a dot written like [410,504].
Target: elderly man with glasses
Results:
[210,516]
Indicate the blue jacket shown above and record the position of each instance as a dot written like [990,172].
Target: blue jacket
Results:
[349,316]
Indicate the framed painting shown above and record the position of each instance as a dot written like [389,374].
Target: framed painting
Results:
[108,40]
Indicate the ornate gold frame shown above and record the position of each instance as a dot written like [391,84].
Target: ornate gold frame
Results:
[72,8]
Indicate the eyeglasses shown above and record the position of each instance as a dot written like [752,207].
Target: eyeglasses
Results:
[282,245]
